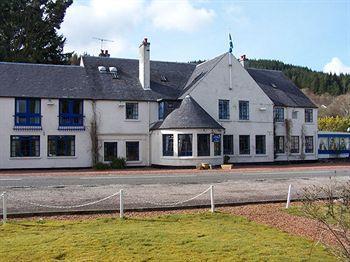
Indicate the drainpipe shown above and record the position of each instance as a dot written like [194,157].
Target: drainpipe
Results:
[149,135]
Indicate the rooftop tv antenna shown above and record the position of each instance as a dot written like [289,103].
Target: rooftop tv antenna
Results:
[102,40]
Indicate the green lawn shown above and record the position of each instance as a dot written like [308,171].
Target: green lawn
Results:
[194,237]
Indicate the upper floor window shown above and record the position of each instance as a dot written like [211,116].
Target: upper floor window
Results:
[161,111]
[25,146]
[27,112]
[278,114]
[224,109]
[243,110]
[309,116]
[71,112]
[132,111]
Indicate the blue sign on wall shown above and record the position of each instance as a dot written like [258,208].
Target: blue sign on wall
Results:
[216,138]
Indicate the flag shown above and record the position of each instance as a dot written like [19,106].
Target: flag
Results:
[231,43]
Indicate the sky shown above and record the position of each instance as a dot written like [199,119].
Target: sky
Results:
[313,33]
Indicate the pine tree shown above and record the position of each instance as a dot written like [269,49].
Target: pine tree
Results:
[28,31]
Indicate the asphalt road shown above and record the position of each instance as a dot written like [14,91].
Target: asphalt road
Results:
[27,192]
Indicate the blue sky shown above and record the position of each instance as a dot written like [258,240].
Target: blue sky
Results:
[315,34]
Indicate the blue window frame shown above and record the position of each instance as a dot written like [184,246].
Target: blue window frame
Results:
[25,146]
[27,112]
[60,146]
[71,112]
[224,109]
[243,110]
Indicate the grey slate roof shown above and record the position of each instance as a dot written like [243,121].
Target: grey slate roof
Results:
[189,115]
[280,89]
[47,81]
[128,86]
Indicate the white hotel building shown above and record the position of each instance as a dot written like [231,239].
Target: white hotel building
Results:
[151,113]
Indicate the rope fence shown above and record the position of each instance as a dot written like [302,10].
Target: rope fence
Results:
[5,197]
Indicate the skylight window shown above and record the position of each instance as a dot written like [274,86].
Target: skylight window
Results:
[163,78]
[273,85]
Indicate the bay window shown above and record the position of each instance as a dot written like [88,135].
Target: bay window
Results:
[185,144]
[203,144]
[168,145]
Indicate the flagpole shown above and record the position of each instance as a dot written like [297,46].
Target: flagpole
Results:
[230,61]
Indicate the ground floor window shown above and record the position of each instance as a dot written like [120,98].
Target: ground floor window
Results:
[294,147]
[260,145]
[244,145]
[25,146]
[203,144]
[185,144]
[110,151]
[279,144]
[217,145]
[228,144]
[168,145]
[61,146]
[132,151]
[309,144]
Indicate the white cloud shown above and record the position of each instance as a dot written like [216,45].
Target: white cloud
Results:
[336,66]
[120,20]
[178,15]
[105,19]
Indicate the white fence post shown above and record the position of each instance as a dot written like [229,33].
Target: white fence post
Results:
[121,204]
[289,196]
[4,208]
[212,205]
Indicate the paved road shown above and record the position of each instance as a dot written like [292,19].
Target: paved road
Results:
[154,190]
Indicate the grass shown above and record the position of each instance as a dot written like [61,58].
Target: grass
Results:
[190,237]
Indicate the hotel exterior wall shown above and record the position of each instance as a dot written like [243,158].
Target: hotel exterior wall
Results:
[49,122]
[157,149]
[301,129]
[216,85]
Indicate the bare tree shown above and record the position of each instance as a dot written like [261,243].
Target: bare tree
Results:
[333,212]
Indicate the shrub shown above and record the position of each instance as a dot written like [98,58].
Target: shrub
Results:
[226,159]
[102,166]
[118,163]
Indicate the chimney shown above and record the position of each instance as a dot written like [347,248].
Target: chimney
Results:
[244,61]
[144,64]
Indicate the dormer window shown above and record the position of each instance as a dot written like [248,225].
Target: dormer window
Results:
[27,112]
[163,78]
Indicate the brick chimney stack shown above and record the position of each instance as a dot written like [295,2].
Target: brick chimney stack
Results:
[144,64]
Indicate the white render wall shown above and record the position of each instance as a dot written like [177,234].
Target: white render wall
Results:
[194,160]
[112,126]
[301,129]
[215,85]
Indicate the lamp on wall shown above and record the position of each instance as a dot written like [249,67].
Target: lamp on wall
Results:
[50,102]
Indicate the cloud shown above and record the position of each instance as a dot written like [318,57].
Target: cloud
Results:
[120,20]
[179,15]
[336,66]
[108,19]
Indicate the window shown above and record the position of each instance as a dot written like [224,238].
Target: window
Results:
[294,147]
[295,114]
[132,111]
[161,111]
[279,144]
[244,145]
[203,144]
[71,112]
[168,145]
[309,144]
[224,109]
[243,110]
[25,146]
[217,144]
[308,116]
[61,146]
[278,114]
[132,151]
[110,151]
[27,112]
[228,144]
[260,145]
[185,145]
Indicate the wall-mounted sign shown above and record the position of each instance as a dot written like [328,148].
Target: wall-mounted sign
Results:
[216,138]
